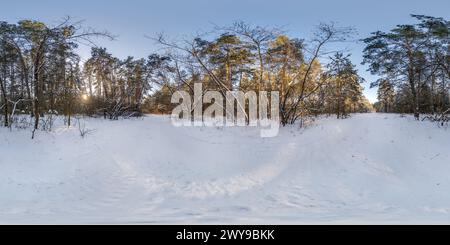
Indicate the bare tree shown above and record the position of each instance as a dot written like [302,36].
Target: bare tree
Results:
[325,34]
[258,38]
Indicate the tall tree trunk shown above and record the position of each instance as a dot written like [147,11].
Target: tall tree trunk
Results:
[69,98]
[261,68]
[90,86]
[36,95]
[5,101]
[228,76]
[37,91]
[415,95]
[412,82]
[433,84]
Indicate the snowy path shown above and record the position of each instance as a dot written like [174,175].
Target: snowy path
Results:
[369,168]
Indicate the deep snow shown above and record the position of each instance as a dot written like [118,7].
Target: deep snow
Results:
[370,168]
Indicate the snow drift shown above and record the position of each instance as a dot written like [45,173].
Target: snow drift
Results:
[370,168]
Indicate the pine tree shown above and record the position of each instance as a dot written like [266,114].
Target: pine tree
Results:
[386,95]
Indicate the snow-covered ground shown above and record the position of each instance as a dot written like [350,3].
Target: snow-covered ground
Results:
[370,168]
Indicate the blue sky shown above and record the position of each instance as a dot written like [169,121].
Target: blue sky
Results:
[132,20]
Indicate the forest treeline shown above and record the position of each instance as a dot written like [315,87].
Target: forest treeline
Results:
[414,64]
[41,74]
